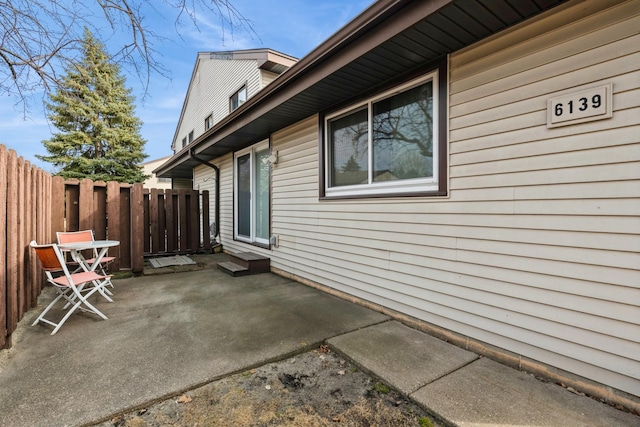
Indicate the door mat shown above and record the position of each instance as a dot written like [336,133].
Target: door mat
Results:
[168,261]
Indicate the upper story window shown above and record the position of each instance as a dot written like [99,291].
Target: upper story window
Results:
[187,139]
[388,145]
[238,98]
[208,122]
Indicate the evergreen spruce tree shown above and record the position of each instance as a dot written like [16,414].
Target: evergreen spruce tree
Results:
[351,165]
[100,134]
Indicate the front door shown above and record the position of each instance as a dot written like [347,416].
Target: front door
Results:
[252,194]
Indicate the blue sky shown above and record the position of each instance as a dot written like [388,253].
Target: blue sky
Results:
[294,27]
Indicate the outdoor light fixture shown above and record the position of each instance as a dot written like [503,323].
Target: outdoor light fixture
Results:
[272,159]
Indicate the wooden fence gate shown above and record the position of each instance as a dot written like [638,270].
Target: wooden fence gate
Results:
[145,221]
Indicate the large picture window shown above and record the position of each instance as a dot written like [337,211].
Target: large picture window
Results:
[386,145]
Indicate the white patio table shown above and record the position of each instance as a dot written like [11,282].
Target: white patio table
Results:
[102,246]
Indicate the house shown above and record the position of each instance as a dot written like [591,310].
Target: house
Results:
[508,217]
[153,181]
[220,83]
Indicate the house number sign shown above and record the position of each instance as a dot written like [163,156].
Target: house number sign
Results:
[579,107]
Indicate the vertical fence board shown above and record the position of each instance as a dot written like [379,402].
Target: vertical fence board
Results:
[183,233]
[154,227]
[39,231]
[72,205]
[3,248]
[113,225]
[170,198]
[100,210]
[194,221]
[137,224]
[27,209]
[19,247]
[85,208]
[125,227]
[146,219]
[56,207]
[49,184]
[33,282]
[12,242]
[162,223]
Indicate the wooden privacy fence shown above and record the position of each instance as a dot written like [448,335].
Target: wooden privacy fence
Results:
[146,222]
[25,210]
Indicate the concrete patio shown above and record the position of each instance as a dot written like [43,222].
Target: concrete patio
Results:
[168,333]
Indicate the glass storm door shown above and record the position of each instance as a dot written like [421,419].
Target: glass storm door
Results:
[252,195]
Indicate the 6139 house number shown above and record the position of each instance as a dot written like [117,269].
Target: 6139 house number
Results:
[579,107]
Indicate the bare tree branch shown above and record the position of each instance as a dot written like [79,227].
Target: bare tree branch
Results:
[39,39]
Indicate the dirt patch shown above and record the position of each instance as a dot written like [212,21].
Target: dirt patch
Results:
[318,388]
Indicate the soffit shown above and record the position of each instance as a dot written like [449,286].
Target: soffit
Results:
[357,64]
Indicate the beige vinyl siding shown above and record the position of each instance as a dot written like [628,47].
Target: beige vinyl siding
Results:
[226,202]
[181,183]
[267,77]
[214,81]
[537,249]
[204,178]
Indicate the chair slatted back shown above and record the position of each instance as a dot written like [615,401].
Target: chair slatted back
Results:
[48,257]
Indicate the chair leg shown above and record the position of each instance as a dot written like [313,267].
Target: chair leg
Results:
[61,294]
[102,269]
[101,288]
[72,295]
[72,309]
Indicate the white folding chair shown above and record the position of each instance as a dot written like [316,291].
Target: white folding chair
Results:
[85,236]
[73,288]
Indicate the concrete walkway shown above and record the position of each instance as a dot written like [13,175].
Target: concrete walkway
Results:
[173,332]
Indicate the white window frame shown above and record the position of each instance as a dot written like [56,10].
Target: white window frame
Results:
[399,187]
[208,122]
[264,145]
